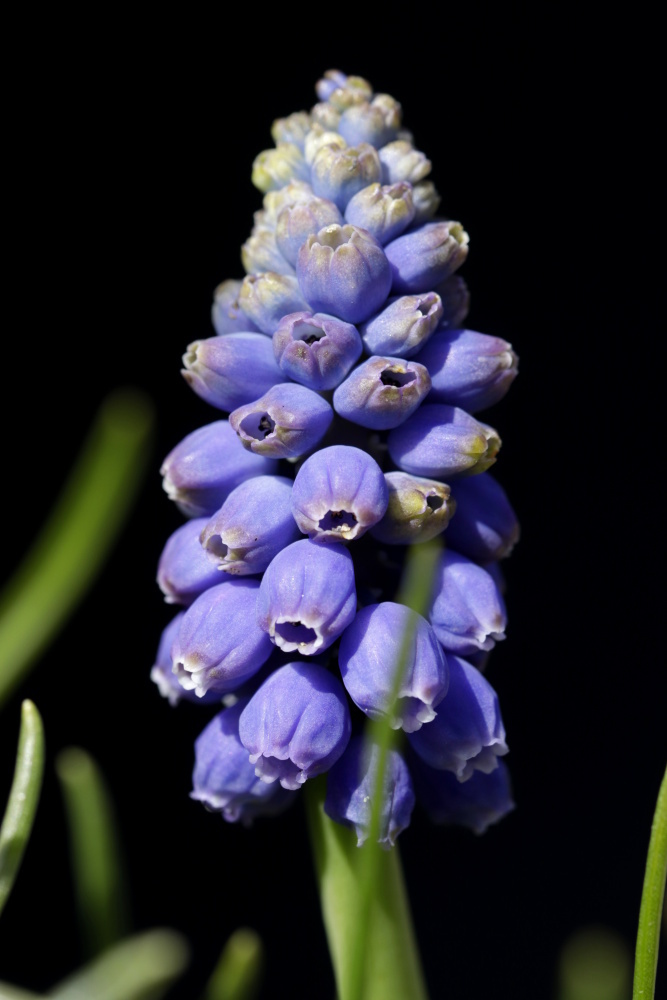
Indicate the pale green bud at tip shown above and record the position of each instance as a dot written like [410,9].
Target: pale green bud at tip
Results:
[273,168]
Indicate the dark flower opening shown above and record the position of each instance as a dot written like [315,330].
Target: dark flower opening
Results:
[337,520]
[399,379]
[435,503]
[258,425]
[296,632]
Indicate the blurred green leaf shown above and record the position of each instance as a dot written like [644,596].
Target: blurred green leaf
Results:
[23,798]
[78,535]
[9,992]
[141,968]
[595,964]
[237,974]
[99,880]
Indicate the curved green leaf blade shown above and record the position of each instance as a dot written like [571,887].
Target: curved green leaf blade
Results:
[238,972]
[99,879]
[141,968]
[73,544]
[23,798]
[650,911]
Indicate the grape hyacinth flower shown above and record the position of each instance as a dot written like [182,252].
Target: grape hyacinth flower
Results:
[349,389]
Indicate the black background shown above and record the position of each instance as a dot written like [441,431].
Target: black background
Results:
[129,147]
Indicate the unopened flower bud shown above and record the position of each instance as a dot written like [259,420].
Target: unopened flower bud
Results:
[442,442]
[425,256]
[338,174]
[296,725]
[343,270]
[260,253]
[382,392]
[268,296]
[418,509]
[478,803]
[352,787]
[307,596]
[219,644]
[202,470]
[274,202]
[402,162]
[316,350]
[455,296]
[369,657]
[468,369]
[299,221]
[384,210]
[287,421]
[467,611]
[293,128]
[230,371]
[325,115]
[320,136]
[254,523]
[335,80]
[403,326]
[467,734]
[184,569]
[226,313]
[486,527]
[273,168]
[224,779]
[426,201]
[339,493]
[369,122]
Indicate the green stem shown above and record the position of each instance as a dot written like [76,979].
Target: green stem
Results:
[393,968]
[650,911]
[99,877]
[78,535]
[23,798]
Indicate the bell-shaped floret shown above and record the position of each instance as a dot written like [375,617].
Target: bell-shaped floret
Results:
[162,673]
[337,174]
[320,136]
[403,326]
[343,270]
[230,371]
[443,441]
[467,734]
[307,596]
[286,422]
[402,162]
[226,313]
[219,644]
[296,725]
[339,493]
[425,256]
[418,509]
[352,788]
[224,779]
[273,202]
[486,527]
[254,523]
[268,296]
[384,640]
[274,168]
[260,252]
[184,569]
[315,349]
[384,210]
[477,804]
[382,393]
[468,369]
[202,470]
[467,611]
[299,221]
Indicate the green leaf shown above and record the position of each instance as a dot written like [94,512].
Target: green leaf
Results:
[650,910]
[141,968]
[99,879]
[237,974]
[594,964]
[74,543]
[9,992]
[23,798]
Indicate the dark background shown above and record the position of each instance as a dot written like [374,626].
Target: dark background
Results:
[129,159]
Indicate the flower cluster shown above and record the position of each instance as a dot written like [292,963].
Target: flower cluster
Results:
[347,389]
